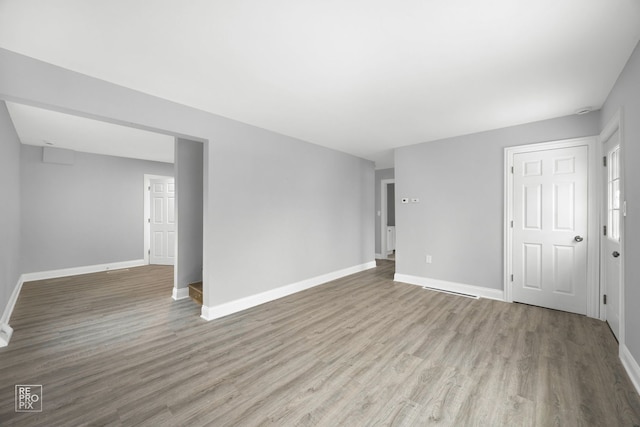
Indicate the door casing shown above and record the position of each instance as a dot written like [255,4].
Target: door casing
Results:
[615,124]
[593,254]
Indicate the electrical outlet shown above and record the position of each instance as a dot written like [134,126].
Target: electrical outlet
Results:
[405,200]
[428,259]
[415,200]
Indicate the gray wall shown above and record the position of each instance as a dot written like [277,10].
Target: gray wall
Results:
[9,208]
[286,211]
[87,213]
[379,176]
[626,95]
[188,173]
[459,181]
[277,210]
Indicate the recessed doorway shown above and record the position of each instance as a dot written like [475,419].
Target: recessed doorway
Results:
[387,219]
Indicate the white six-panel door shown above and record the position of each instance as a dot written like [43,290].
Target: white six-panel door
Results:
[162,222]
[550,205]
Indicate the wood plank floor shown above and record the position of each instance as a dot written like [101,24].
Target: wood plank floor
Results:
[115,349]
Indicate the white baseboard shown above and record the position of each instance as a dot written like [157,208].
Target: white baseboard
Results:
[379,256]
[180,293]
[631,366]
[5,330]
[444,285]
[74,271]
[215,312]
[6,315]
[5,334]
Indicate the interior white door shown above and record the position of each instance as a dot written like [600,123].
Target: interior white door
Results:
[162,222]
[610,239]
[550,202]
[391,239]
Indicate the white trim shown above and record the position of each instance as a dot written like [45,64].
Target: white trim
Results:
[631,366]
[147,212]
[384,254]
[593,224]
[5,330]
[74,271]
[180,293]
[593,249]
[443,285]
[5,334]
[8,310]
[614,124]
[225,309]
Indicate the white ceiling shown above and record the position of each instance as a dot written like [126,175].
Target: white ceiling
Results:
[360,76]
[39,127]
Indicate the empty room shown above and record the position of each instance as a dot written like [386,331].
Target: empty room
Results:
[319,213]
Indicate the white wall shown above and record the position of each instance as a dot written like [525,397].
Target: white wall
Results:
[625,95]
[277,210]
[459,181]
[87,213]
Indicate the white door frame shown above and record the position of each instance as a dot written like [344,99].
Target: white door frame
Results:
[615,124]
[147,213]
[593,243]
[383,216]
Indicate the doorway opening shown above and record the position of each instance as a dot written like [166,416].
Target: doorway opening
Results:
[143,143]
[387,219]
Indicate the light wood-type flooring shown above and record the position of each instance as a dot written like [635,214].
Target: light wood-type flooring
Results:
[115,349]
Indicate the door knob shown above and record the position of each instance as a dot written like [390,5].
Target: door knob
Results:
[578,239]
[615,254]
